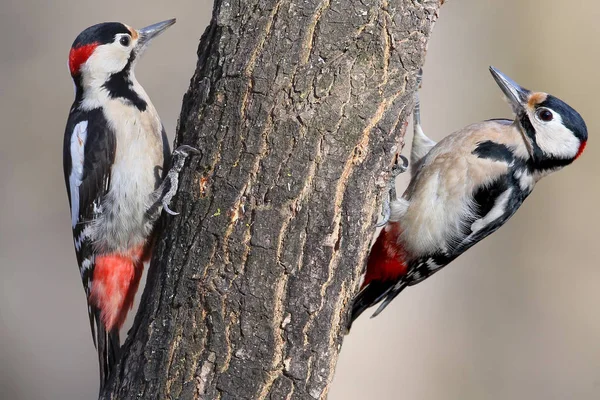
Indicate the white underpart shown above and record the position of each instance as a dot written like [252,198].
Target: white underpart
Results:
[436,221]
[78,138]
[397,209]
[554,138]
[496,212]
[138,160]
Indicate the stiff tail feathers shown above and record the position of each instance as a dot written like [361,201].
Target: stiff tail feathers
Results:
[386,269]
[367,297]
[108,346]
[115,281]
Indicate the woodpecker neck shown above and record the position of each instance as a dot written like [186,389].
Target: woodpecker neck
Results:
[95,88]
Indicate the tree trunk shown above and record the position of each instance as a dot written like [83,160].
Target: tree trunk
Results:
[299,109]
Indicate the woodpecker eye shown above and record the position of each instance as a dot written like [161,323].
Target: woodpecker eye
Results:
[124,41]
[545,115]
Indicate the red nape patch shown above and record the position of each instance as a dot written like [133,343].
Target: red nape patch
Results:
[386,259]
[79,55]
[581,149]
[115,282]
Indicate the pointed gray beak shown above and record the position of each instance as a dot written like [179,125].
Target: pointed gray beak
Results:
[517,96]
[152,31]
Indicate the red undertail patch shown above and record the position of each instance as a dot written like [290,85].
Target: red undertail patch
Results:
[79,55]
[387,258]
[115,282]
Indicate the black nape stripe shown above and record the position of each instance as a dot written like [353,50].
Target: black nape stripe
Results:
[494,151]
[119,85]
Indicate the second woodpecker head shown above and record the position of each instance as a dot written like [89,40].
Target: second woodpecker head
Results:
[107,49]
[555,134]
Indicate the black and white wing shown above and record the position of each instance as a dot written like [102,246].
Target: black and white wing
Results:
[89,153]
[494,204]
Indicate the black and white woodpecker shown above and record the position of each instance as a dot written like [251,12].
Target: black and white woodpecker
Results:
[118,173]
[467,186]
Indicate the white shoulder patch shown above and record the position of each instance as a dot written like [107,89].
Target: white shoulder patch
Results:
[78,139]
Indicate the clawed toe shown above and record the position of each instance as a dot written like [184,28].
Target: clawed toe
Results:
[400,168]
[168,210]
[397,169]
[185,150]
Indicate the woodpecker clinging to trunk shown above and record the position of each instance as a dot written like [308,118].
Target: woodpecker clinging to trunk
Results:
[115,159]
[466,186]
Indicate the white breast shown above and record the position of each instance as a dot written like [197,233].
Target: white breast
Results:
[135,175]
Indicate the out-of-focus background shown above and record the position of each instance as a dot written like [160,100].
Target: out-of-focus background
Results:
[515,318]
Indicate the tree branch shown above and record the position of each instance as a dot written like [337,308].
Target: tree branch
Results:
[299,109]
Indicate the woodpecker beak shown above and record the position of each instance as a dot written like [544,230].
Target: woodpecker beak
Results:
[517,96]
[150,32]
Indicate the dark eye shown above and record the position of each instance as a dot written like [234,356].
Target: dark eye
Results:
[545,115]
[124,41]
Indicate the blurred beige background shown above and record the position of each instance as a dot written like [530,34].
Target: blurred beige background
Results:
[515,318]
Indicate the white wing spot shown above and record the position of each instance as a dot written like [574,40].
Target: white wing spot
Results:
[86,265]
[85,233]
[496,212]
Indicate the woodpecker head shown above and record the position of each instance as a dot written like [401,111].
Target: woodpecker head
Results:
[555,134]
[109,48]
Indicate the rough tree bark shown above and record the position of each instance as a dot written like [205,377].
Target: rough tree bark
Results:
[299,109]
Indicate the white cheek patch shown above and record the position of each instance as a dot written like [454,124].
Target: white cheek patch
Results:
[78,138]
[106,59]
[555,139]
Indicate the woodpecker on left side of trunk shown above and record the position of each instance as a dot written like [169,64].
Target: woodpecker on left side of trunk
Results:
[465,187]
[116,156]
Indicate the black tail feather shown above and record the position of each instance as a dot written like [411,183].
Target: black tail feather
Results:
[368,297]
[389,295]
[108,346]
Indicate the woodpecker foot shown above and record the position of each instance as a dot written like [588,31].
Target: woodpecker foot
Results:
[171,182]
[397,169]
[420,78]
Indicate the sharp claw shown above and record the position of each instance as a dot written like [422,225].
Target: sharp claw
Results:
[398,168]
[168,210]
[383,222]
[402,168]
[185,150]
